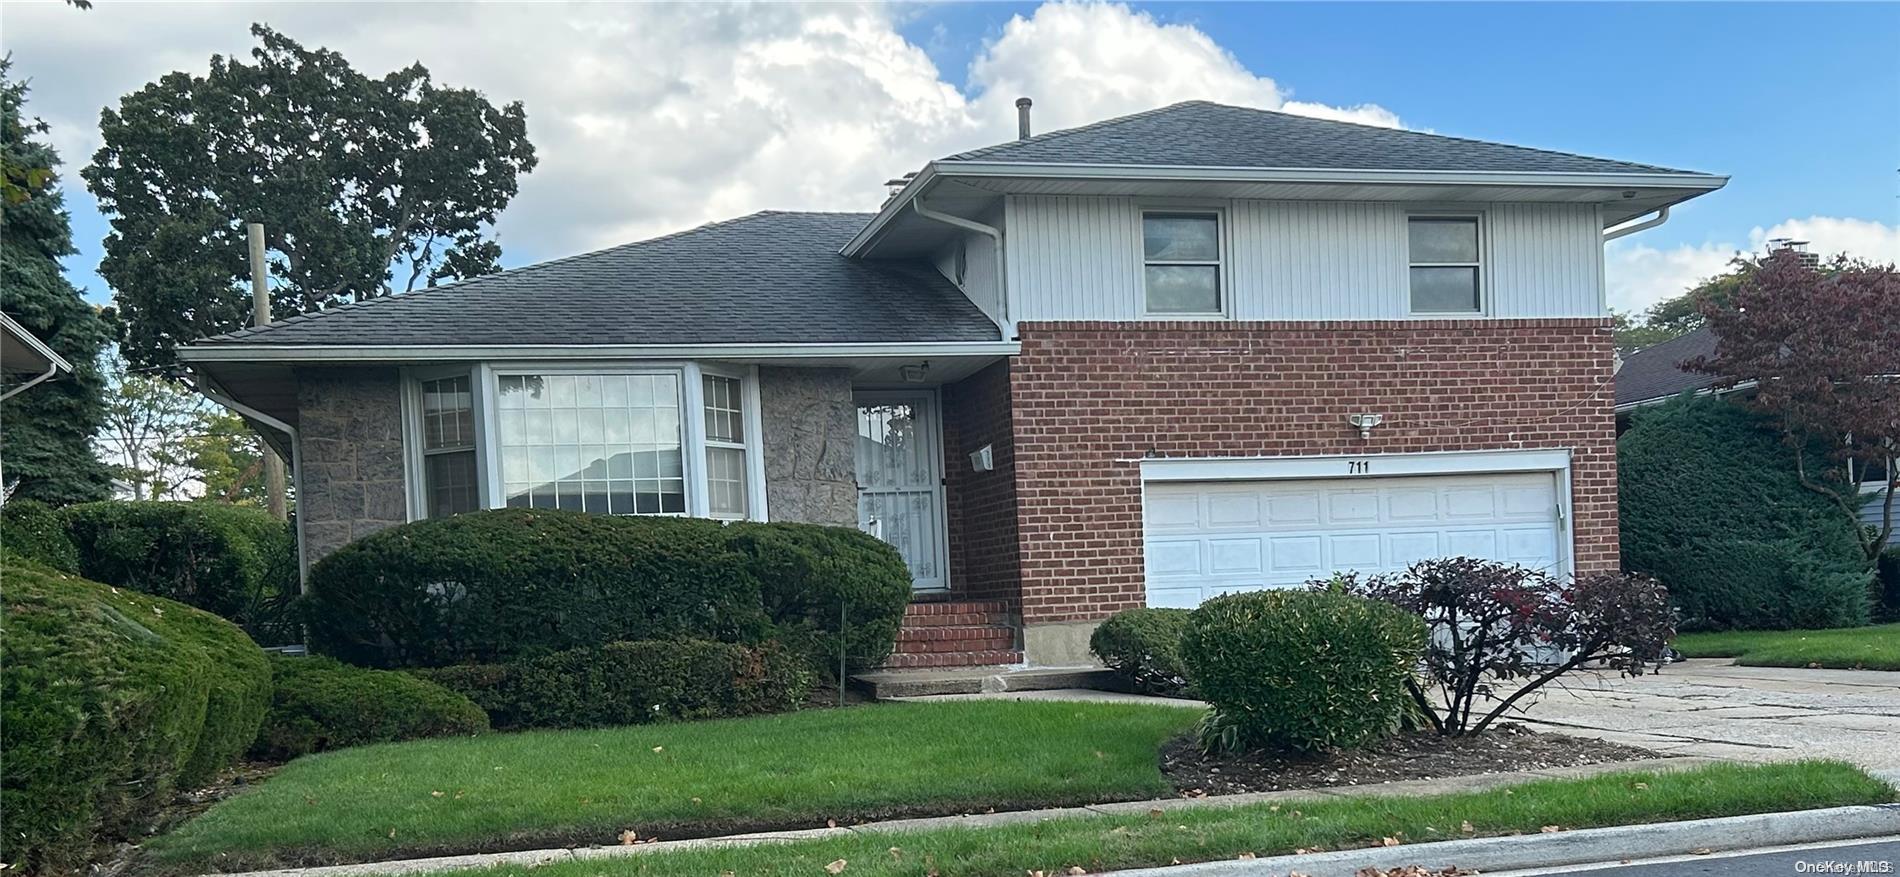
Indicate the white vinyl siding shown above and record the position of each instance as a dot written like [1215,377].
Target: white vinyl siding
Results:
[1079,258]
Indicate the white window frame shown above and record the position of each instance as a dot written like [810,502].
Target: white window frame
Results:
[1481,267]
[485,383]
[1222,286]
[414,463]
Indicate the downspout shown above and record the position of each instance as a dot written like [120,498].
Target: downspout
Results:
[995,235]
[1662,216]
[51,370]
[204,385]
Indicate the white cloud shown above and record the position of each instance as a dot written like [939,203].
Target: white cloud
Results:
[650,118]
[1637,276]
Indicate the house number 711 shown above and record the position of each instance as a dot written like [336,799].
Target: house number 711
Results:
[1358,467]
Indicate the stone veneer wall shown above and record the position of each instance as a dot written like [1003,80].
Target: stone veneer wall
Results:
[350,428]
[811,430]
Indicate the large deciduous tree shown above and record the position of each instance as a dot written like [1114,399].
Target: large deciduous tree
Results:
[364,185]
[45,432]
[1821,345]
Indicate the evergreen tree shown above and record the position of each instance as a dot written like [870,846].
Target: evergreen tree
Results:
[46,432]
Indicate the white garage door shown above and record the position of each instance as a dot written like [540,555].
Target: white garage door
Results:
[1209,538]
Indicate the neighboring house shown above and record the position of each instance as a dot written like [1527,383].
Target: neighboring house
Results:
[24,362]
[1142,362]
[1655,374]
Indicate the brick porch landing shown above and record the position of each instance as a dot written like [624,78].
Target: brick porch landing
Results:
[956,634]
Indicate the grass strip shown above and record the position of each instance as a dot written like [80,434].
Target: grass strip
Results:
[553,788]
[1111,842]
[1851,648]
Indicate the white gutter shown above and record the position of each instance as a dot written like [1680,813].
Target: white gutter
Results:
[51,370]
[995,234]
[427,353]
[211,391]
[1326,175]
[54,362]
[1662,216]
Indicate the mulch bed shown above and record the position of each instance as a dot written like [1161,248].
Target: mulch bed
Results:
[1502,748]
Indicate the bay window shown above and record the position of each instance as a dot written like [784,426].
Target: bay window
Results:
[659,440]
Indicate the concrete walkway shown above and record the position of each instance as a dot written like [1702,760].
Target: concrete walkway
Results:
[1704,707]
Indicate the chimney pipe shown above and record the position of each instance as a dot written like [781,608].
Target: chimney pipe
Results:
[1022,118]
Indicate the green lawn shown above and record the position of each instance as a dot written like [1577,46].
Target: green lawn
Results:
[1103,843]
[1852,648]
[549,788]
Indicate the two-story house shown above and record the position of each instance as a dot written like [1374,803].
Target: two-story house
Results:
[1139,363]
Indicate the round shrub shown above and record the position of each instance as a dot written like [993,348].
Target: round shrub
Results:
[34,531]
[110,699]
[1143,646]
[1709,504]
[319,704]
[236,562]
[1300,670]
[496,585]
[815,578]
[631,683]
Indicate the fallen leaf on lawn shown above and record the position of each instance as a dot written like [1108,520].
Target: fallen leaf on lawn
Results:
[727,874]
[1642,785]
[1466,827]
[1388,841]
[1509,792]
[435,794]
[1273,808]
[1299,851]
[1246,856]
[836,867]
[392,833]
[1076,871]
[658,748]
[1551,829]
[831,823]
[1155,812]
[629,837]
[695,800]
[1100,754]
[897,855]
[1701,851]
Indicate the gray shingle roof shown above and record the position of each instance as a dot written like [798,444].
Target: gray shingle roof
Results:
[772,277]
[1204,134]
[1655,372]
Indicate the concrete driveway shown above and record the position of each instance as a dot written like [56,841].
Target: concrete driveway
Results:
[1708,707]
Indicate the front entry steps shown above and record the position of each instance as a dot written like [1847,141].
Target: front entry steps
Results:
[955,634]
[887,684]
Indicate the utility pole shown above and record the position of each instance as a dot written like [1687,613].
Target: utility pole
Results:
[260,315]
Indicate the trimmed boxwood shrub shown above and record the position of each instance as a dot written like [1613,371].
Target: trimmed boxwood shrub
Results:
[110,699]
[34,531]
[1143,646]
[1889,573]
[232,561]
[814,578]
[632,683]
[494,586]
[1710,505]
[320,703]
[1300,670]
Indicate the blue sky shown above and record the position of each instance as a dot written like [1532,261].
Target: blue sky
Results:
[1799,103]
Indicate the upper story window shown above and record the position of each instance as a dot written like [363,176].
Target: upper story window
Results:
[725,447]
[1181,260]
[449,482]
[1446,270]
[603,443]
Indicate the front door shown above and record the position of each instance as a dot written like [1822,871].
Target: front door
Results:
[900,479]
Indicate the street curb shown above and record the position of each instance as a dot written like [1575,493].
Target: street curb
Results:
[1584,846]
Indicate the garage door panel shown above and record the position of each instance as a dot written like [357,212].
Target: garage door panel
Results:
[1208,539]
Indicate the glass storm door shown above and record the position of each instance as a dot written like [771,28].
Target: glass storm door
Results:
[900,480]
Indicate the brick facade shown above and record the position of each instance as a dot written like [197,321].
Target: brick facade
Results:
[981,506]
[1090,399]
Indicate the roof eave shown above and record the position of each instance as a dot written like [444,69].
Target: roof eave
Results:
[339,354]
[868,235]
[20,335]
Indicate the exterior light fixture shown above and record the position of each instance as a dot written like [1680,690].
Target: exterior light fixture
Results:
[914,374]
[1365,423]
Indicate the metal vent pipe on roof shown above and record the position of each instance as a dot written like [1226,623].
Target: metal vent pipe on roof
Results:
[1022,117]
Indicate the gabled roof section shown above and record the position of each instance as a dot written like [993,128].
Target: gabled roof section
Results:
[1206,134]
[1655,372]
[768,278]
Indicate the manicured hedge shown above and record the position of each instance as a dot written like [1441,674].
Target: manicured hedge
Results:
[35,531]
[494,586]
[110,699]
[233,561]
[321,703]
[1143,646]
[1710,505]
[1300,670]
[1889,573]
[632,683]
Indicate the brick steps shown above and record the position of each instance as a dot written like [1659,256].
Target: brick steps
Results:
[968,633]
